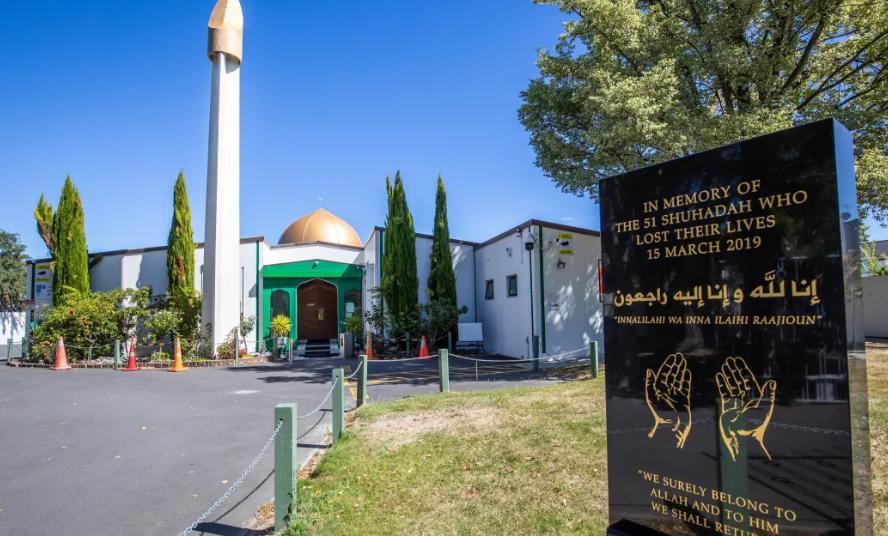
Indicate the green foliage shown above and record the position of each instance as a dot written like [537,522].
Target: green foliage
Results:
[442,281]
[245,327]
[441,317]
[375,317]
[86,319]
[13,276]
[71,272]
[131,309]
[180,244]
[633,83]
[279,326]
[874,264]
[162,323]
[354,324]
[44,216]
[400,283]
[188,302]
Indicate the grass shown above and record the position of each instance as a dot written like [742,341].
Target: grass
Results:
[514,461]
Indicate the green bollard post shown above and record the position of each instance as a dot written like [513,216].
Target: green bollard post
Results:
[407,335]
[285,465]
[8,350]
[449,341]
[593,355]
[338,413]
[443,371]
[536,353]
[116,354]
[362,381]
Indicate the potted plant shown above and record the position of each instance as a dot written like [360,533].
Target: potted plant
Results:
[280,328]
[354,326]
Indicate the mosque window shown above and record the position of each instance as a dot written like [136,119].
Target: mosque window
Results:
[280,303]
[352,301]
[488,290]
[512,285]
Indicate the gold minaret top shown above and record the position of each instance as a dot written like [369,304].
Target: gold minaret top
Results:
[226,30]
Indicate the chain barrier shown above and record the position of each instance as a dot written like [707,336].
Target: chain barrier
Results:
[398,360]
[355,373]
[525,360]
[236,483]
[317,409]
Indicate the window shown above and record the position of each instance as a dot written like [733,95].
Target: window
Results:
[512,285]
[488,290]
[352,301]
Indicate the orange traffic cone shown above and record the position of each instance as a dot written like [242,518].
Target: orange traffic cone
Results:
[132,357]
[177,365]
[61,360]
[424,349]
[369,347]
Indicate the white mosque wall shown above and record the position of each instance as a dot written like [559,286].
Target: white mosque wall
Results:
[571,309]
[462,256]
[143,269]
[505,321]
[372,262]
[310,252]
[875,306]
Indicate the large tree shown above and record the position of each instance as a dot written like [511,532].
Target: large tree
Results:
[71,272]
[442,282]
[13,276]
[180,244]
[400,283]
[635,82]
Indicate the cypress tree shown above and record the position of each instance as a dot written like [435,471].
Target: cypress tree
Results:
[442,281]
[400,281]
[180,243]
[71,272]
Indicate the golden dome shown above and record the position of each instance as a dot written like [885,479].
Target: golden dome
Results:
[321,226]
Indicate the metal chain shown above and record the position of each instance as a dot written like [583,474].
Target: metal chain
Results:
[237,482]
[317,409]
[403,359]
[361,364]
[518,360]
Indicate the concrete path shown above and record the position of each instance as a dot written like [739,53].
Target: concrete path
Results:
[107,453]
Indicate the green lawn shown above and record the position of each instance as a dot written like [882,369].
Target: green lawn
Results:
[514,461]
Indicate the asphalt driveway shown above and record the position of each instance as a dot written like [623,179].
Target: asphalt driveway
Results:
[105,453]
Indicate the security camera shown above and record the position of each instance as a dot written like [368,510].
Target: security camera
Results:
[528,242]
[565,243]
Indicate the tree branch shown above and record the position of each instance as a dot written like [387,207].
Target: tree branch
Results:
[805,55]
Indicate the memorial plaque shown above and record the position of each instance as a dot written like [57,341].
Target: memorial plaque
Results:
[735,366]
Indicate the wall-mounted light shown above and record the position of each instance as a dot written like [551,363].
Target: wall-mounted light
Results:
[509,251]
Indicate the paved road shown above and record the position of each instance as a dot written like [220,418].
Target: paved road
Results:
[111,453]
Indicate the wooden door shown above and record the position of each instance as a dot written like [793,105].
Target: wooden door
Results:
[317,315]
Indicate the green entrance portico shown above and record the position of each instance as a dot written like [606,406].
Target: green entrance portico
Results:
[316,296]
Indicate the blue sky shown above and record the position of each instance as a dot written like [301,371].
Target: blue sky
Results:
[116,94]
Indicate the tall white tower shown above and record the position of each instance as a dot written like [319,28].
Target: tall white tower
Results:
[221,279]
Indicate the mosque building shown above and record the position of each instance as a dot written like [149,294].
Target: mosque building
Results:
[320,272]
[536,279]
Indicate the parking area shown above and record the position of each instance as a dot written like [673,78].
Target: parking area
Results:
[105,453]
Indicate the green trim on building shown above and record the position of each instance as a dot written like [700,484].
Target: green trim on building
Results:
[542,293]
[314,269]
[258,318]
[288,277]
[530,275]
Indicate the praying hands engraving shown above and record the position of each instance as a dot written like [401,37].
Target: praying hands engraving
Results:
[746,406]
[668,395]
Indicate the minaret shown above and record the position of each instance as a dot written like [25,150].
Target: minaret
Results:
[221,280]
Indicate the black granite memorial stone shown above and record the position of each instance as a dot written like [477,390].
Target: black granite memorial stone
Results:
[735,366]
